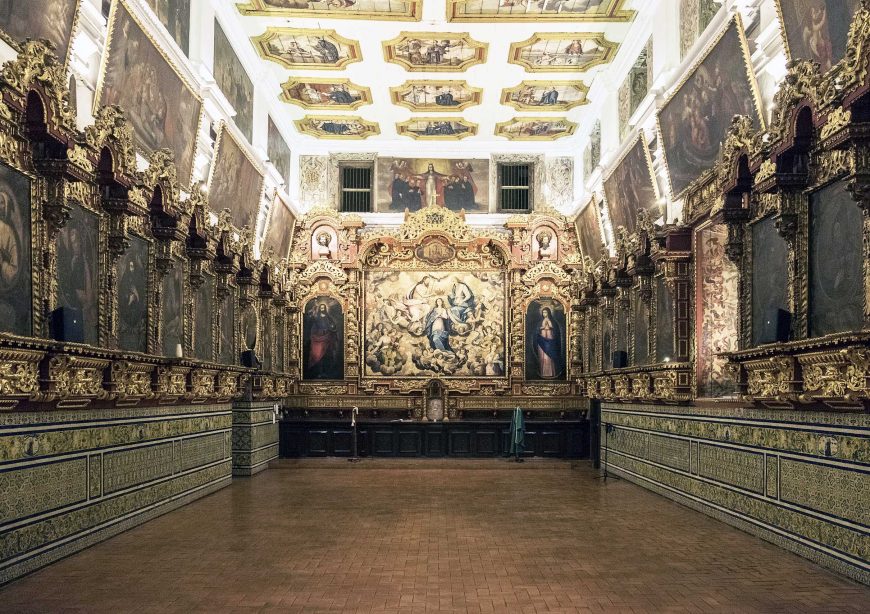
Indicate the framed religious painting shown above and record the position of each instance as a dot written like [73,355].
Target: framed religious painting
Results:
[279,231]
[588,228]
[769,282]
[695,118]
[236,179]
[640,329]
[279,152]
[172,310]
[16,248]
[233,80]
[175,17]
[51,20]
[227,352]
[79,270]
[161,105]
[323,339]
[203,331]
[664,298]
[413,183]
[816,30]
[631,187]
[132,275]
[546,352]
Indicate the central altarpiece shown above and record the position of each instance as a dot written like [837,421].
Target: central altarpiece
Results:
[435,318]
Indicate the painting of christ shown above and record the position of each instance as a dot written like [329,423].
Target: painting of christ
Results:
[323,339]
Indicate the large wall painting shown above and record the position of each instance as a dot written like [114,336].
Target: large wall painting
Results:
[279,152]
[323,339]
[695,118]
[162,107]
[307,49]
[172,310]
[279,232]
[836,259]
[510,10]
[394,10]
[817,29]
[175,17]
[631,187]
[408,183]
[236,181]
[545,340]
[52,20]
[435,51]
[233,80]
[434,324]
[588,227]
[16,302]
[132,272]
[562,51]
[78,269]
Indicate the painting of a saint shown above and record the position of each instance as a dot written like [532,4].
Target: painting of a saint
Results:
[319,93]
[337,127]
[537,95]
[524,10]
[203,334]
[323,339]
[409,183]
[78,273]
[817,30]
[537,129]
[233,80]
[161,106]
[631,187]
[132,271]
[694,120]
[172,309]
[545,340]
[588,227]
[235,182]
[399,10]
[175,16]
[279,234]
[424,324]
[434,52]
[436,95]
[15,252]
[52,20]
[228,355]
[432,128]
[279,152]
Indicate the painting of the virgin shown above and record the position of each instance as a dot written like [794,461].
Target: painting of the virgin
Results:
[545,340]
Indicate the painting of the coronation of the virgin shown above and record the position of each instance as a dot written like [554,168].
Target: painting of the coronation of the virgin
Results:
[323,339]
[694,121]
[408,183]
[545,340]
[162,108]
[424,324]
[817,29]
[52,20]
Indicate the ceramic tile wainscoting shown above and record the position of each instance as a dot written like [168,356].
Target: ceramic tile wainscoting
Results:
[795,478]
[72,478]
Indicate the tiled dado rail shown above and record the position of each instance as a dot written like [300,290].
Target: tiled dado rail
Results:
[71,478]
[797,479]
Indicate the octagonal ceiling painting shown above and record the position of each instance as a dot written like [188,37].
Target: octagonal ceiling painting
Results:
[535,128]
[562,51]
[307,49]
[436,128]
[437,96]
[434,51]
[541,10]
[397,10]
[325,93]
[545,95]
[337,127]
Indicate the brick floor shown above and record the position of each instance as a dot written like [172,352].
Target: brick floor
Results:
[418,536]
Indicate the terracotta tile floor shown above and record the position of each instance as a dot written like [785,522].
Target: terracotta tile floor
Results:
[415,536]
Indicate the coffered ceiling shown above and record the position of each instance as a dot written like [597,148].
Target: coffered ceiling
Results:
[423,73]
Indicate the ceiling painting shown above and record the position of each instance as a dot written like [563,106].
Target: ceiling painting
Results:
[436,96]
[562,52]
[545,95]
[542,10]
[326,94]
[307,49]
[535,128]
[384,10]
[436,129]
[435,51]
[336,127]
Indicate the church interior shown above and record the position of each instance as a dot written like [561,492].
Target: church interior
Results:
[435,305]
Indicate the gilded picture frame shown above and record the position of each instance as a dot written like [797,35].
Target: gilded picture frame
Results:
[340,127]
[519,97]
[331,54]
[613,11]
[436,128]
[435,102]
[556,52]
[289,87]
[624,172]
[64,51]
[233,181]
[535,123]
[263,9]
[407,50]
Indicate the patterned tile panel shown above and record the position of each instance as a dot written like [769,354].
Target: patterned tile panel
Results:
[199,451]
[773,476]
[835,491]
[735,467]
[37,489]
[669,451]
[630,442]
[127,468]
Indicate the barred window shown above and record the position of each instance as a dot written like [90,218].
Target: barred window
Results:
[356,189]
[514,187]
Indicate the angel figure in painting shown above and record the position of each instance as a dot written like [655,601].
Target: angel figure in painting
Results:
[548,350]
